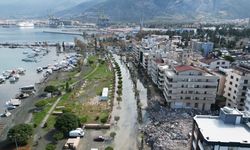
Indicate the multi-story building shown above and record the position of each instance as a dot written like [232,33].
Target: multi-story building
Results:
[247,102]
[214,63]
[237,82]
[190,87]
[228,131]
[204,47]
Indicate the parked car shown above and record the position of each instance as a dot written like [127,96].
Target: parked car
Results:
[76,133]
[99,139]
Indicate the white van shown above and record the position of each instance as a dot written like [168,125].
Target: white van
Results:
[76,133]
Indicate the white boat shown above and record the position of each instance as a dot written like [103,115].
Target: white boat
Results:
[29,59]
[6,114]
[21,70]
[25,24]
[40,69]
[2,79]
[12,79]
[25,52]
[13,102]
[16,76]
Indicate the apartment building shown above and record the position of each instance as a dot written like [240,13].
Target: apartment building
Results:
[247,103]
[214,63]
[237,82]
[228,131]
[189,87]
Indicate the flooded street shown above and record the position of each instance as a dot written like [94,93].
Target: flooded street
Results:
[127,127]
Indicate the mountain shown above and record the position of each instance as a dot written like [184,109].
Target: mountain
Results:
[34,8]
[164,10]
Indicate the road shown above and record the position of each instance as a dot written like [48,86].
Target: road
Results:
[127,127]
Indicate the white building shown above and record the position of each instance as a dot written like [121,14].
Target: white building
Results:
[214,63]
[247,103]
[190,87]
[237,82]
[228,131]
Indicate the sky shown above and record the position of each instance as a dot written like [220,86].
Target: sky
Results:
[27,8]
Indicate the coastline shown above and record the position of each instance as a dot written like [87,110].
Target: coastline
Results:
[23,114]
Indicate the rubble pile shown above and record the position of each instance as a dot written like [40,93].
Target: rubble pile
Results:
[169,129]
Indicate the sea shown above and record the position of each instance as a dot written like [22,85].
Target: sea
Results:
[12,58]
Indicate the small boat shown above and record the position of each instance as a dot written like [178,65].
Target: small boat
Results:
[10,107]
[2,79]
[13,102]
[40,69]
[12,79]
[25,52]
[21,70]
[22,96]
[7,73]
[29,60]
[6,114]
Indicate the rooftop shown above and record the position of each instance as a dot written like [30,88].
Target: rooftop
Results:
[182,68]
[214,129]
[209,61]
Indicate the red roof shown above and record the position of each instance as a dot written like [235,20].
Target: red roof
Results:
[182,68]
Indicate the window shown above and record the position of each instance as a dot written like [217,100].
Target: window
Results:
[230,82]
[232,77]
[229,89]
[218,63]
[196,105]
[243,94]
[245,81]
[237,79]
[205,92]
[234,91]
[228,104]
[223,63]
[229,94]
[233,97]
[244,88]
[242,100]
[236,85]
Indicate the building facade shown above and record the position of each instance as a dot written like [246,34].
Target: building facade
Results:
[189,87]
[237,82]
[247,103]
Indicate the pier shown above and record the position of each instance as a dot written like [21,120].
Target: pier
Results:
[62,32]
[25,45]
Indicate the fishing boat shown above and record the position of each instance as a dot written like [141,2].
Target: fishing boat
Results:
[6,114]
[40,69]
[29,59]
[12,79]
[21,70]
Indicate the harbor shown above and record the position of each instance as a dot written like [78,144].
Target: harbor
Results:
[26,50]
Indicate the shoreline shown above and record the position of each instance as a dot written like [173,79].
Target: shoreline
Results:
[22,114]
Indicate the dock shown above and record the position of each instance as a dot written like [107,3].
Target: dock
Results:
[63,32]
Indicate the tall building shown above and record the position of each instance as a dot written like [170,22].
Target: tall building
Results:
[247,102]
[237,82]
[190,87]
[228,131]
[204,47]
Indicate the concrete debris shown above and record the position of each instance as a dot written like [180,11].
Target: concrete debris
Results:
[169,129]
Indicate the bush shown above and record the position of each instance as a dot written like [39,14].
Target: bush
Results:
[104,117]
[90,62]
[120,78]
[83,119]
[119,98]
[112,134]
[21,133]
[50,89]
[50,147]
[96,118]
[58,136]
[67,122]
[41,103]
[119,92]
[109,148]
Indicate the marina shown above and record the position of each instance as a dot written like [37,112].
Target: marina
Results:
[21,56]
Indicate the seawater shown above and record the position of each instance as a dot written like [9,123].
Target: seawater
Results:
[12,58]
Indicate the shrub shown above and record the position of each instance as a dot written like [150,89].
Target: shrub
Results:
[109,148]
[83,119]
[120,82]
[58,136]
[41,103]
[50,147]
[104,117]
[119,91]
[119,98]
[112,134]
[119,86]
[50,89]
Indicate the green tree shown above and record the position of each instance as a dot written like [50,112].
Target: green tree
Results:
[229,58]
[50,147]
[50,89]
[67,122]
[20,133]
[41,103]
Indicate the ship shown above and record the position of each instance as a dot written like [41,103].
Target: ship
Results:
[25,24]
